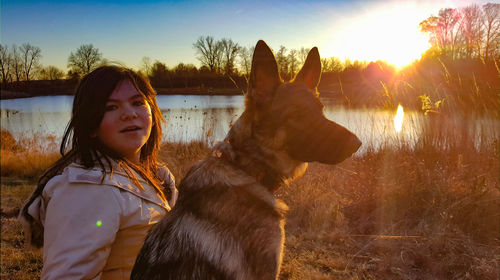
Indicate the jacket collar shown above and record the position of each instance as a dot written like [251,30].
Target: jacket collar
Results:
[118,178]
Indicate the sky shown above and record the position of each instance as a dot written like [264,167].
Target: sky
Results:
[126,31]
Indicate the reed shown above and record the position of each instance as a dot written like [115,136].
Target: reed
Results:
[425,210]
[26,157]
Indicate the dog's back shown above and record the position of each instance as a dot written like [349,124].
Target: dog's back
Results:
[227,224]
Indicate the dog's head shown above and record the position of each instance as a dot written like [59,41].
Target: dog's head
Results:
[287,118]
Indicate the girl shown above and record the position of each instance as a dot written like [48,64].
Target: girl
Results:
[92,209]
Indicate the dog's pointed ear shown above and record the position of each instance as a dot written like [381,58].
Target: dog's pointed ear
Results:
[264,76]
[310,73]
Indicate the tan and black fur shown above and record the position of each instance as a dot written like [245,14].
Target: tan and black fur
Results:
[227,224]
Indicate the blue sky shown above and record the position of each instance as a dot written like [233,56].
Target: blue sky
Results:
[126,31]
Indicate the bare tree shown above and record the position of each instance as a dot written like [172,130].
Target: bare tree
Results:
[293,62]
[229,51]
[325,65]
[30,58]
[282,60]
[209,52]
[331,65]
[5,63]
[245,60]
[85,59]
[443,30]
[336,65]
[16,64]
[146,65]
[302,55]
[491,25]
[51,73]
[472,30]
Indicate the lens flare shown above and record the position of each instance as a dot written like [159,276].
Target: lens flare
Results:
[398,119]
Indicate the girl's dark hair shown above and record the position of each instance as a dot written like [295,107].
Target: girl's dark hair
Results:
[78,143]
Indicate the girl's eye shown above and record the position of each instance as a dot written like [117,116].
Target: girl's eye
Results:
[138,103]
[110,108]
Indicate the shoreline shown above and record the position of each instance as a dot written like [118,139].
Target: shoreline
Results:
[8,94]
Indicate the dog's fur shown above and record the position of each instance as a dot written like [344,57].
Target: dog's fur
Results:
[227,224]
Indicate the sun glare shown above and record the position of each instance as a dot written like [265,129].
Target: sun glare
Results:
[398,119]
[390,34]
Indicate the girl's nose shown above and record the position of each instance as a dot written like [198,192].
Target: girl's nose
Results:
[128,113]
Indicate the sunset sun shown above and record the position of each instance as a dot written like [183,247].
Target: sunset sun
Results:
[391,34]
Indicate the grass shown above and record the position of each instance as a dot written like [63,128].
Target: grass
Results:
[26,157]
[429,211]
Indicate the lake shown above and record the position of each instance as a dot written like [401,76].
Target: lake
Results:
[208,118]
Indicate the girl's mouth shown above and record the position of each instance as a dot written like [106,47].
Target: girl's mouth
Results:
[130,129]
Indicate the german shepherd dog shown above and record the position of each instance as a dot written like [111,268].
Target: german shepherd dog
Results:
[227,224]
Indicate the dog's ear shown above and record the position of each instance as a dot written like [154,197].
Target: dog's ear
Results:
[264,76]
[311,71]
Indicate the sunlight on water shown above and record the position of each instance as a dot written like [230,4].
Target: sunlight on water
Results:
[208,119]
[398,119]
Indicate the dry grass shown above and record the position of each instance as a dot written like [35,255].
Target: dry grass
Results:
[426,212]
[26,157]
[17,261]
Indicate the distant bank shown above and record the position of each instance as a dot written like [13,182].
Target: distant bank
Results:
[10,94]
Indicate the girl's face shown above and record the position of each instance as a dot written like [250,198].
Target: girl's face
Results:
[126,124]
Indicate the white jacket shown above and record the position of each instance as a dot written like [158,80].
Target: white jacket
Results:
[94,229]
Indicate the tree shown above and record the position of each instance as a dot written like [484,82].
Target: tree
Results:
[30,58]
[331,65]
[302,55]
[160,75]
[491,25]
[146,65]
[443,30]
[5,63]
[51,73]
[282,61]
[185,72]
[471,30]
[209,52]
[293,62]
[85,59]
[229,52]
[16,64]
[325,65]
[245,60]
[468,32]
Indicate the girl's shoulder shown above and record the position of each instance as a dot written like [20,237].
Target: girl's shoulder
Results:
[78,176]
[74,175]
[165,175]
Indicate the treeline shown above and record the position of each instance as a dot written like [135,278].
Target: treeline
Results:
[465,33]
[460,70]
[19,64]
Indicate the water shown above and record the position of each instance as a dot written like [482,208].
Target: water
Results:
[208,118]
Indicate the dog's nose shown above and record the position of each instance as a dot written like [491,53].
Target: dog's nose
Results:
[353,147]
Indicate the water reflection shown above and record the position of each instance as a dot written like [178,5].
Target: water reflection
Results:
[208,118]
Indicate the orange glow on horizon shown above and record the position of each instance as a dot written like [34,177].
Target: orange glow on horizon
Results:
[389,34]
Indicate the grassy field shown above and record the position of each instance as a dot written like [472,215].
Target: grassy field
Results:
[431,211]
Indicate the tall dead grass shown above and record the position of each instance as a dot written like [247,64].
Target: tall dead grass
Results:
[26,157]
[430,210]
